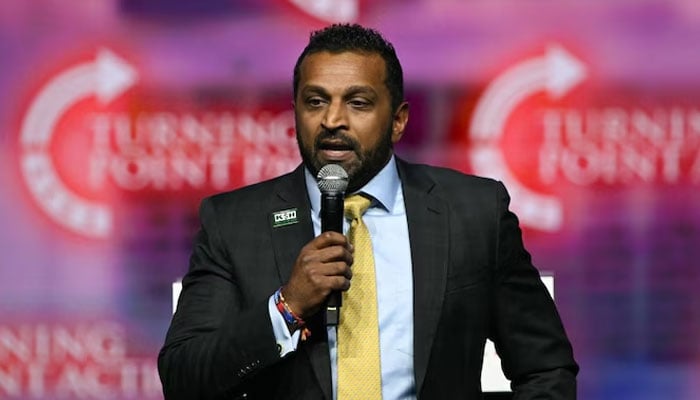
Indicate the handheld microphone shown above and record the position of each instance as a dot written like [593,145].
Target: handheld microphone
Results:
[332,182]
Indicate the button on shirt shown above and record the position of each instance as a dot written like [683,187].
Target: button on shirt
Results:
[386,221]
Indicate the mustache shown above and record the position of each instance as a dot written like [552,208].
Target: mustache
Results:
[334,139]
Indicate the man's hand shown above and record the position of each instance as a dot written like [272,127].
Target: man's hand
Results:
[323,265]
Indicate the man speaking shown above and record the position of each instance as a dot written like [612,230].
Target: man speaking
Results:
[430,265]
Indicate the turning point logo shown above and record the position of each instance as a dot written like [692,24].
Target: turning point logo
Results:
[106,77]
[556,72]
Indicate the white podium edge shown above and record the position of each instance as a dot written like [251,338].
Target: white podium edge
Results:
[492,378]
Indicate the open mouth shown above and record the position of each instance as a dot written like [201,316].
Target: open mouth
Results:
[335,149]
[336,145]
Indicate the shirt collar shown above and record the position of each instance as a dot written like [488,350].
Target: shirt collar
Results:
[383,188]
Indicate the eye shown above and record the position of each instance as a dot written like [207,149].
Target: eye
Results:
[315,102]
[359,103]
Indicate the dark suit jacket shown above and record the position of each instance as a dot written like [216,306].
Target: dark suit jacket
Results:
[473,279]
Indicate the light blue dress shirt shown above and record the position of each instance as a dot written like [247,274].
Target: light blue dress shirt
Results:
[386,222]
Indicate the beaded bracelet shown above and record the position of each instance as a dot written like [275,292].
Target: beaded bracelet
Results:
[293,321]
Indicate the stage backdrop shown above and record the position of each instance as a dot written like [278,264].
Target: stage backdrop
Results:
[117,117]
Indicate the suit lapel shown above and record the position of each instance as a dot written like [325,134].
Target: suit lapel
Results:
[287,241]
[289,238]
[428,228]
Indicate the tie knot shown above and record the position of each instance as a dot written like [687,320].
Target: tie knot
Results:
[356,205]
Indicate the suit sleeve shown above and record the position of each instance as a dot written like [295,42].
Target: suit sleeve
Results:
[216,340]
[528,333]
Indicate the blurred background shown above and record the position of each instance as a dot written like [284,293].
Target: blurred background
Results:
[118,116]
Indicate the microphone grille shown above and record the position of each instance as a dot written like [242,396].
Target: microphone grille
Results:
[332,178]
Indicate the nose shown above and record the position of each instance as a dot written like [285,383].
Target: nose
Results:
[335,116]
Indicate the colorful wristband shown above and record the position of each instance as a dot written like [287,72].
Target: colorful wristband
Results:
[293,321]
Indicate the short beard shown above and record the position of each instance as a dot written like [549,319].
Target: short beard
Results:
[368,163]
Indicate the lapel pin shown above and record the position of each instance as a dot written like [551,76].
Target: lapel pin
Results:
[284,218]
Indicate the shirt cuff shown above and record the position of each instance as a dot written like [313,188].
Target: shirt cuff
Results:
[286,342]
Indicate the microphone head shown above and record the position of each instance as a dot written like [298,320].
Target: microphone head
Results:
[332,178]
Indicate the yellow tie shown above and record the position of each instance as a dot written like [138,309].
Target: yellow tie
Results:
[359,371]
